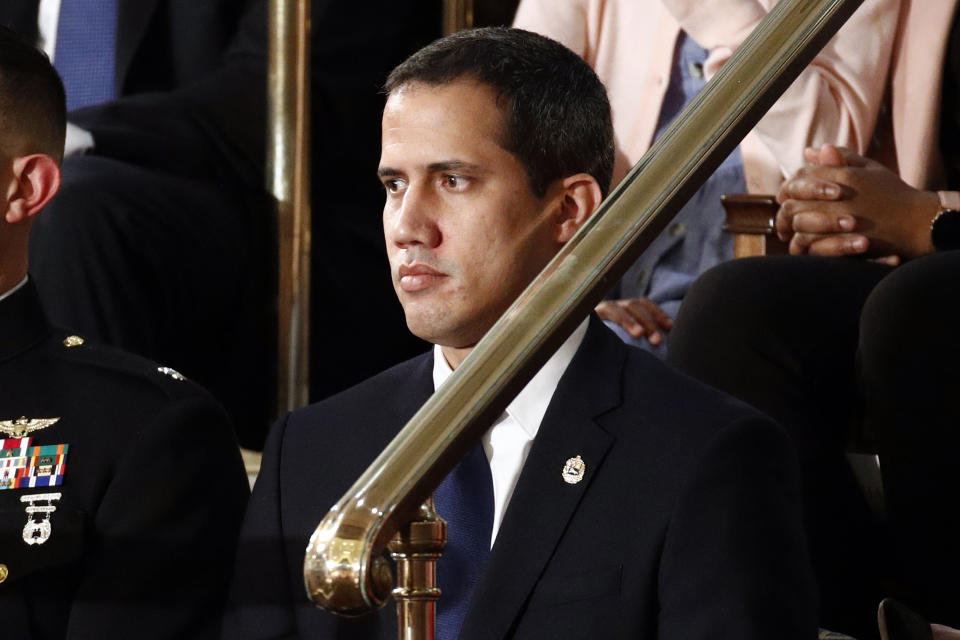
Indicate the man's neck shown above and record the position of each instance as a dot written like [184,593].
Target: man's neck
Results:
[454,355]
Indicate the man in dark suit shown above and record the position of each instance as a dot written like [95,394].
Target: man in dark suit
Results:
[121,487]
[160,44]
[623,499]
[162,240]
[158,239]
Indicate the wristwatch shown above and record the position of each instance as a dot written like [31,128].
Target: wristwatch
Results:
[945,226]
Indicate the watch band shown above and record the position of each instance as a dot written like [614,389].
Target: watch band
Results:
[945,226]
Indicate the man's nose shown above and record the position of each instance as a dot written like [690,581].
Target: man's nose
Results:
[414,222]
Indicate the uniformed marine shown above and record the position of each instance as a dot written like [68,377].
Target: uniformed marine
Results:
[121,486]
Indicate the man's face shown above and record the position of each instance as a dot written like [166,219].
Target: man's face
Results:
[465,234]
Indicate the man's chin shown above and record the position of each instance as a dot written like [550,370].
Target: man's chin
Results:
[439,334]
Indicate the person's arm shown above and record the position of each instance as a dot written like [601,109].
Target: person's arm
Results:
[215,119]
[735,562]
[845,204]
[837,96]
[165,529]
[639,316]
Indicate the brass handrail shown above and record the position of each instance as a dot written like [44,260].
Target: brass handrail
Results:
[344,568]
[288,180]
[457,15]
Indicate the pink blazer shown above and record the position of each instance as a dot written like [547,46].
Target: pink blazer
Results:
[630,45]
[915,91]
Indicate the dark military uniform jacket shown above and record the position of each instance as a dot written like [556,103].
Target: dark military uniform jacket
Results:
[137,539]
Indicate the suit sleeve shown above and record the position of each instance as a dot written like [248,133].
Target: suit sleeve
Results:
[220,117]
[260,604]
[166,529]
[735,561]
[835,99]
[192,130]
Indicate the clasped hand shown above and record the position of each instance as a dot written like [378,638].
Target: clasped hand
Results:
[844,204]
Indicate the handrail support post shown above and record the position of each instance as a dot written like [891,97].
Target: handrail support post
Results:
[416,549]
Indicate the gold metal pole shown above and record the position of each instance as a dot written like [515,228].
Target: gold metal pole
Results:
[288,179]
[344,559]
[457,15]
[415,550]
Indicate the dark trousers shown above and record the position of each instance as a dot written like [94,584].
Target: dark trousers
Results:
[824,345]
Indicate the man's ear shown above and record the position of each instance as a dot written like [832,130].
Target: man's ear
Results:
[36,178]
[580,195]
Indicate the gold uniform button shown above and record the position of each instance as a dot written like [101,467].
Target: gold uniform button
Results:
[72,341]
[4,572]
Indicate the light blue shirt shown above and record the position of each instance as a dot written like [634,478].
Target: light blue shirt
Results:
[694,241]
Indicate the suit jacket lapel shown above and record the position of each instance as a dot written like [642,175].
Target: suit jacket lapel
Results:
[133,18]
[542,502]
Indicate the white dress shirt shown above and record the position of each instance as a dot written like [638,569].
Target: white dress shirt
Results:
[508,441]
[48,18]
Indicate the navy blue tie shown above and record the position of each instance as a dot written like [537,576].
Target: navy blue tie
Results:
[465,500]
[85,55]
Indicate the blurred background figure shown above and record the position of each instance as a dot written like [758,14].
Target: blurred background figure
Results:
[163,239]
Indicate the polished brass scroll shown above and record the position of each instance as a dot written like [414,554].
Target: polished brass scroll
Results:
[288,180]
[343,568]
[457,15]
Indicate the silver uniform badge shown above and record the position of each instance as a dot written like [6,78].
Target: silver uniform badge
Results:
[573,470]
[38,531]
[173,373]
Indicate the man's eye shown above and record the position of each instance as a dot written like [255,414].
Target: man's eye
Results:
[454,182]
[393,185]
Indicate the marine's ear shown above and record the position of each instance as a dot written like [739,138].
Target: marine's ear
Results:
[35,180]
[579,197]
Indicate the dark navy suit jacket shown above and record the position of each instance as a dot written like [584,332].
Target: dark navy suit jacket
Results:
[686,524]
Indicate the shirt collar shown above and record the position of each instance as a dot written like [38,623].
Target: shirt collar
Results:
[530,405]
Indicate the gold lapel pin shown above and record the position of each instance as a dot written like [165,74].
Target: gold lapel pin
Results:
[573,470]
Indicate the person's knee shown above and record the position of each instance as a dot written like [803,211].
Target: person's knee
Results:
[914,309]
[725,302]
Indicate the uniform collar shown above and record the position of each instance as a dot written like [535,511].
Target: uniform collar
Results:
[530,405]
[22,320]
[21,285]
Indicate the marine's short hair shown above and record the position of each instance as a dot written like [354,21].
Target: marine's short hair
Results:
[33,115]
[557,115]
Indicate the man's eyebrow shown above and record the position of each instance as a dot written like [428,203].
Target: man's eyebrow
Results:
[384,172]
[433,167]
[452,165]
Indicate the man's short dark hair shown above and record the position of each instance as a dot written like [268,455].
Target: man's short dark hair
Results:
[33,115]
[557,112]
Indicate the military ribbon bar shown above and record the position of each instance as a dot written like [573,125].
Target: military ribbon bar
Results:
[39,466]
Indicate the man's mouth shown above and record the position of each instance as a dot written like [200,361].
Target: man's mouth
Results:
[417,277]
